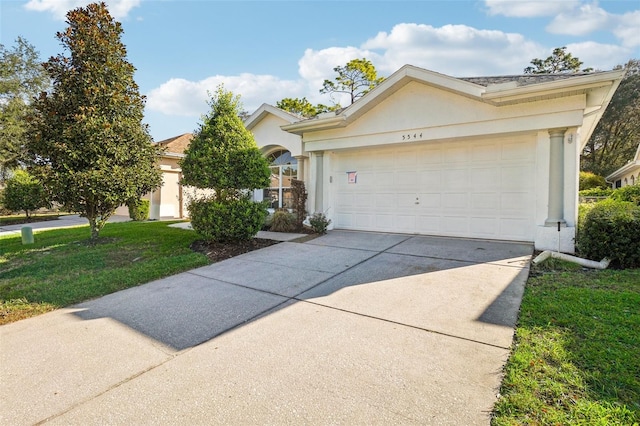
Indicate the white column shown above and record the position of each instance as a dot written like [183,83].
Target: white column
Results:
[556,178]
[300,159]
[318,163]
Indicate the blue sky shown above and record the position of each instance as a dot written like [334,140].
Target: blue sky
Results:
[268,50]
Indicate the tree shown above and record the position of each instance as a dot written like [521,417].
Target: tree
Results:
[301,107]
[87,143]
[22,77]
[23,192]
[560,61]
[224,157]
[356,78]
[617,136]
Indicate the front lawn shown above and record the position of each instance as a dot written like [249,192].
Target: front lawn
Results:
[62,268]
[576,354]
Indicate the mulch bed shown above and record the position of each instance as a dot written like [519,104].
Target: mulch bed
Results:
[216,251]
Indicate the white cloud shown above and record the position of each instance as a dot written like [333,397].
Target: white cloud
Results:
[602,57]
[527,8]
[587,19]
[627,29]
[457,50]
[58,8]
[188,98]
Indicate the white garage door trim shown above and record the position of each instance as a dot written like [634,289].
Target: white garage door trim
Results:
[480,189]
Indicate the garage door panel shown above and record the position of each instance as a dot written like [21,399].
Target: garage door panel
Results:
[517,151]
[519,176]
[485,226]
[426,224]
[514,228]
[406,178]
[455,225]
[456,154]
[455,179]
[454,201]
[430,156]
[483,152]
[430,178]
[483,189]
[484,201]
[484,178]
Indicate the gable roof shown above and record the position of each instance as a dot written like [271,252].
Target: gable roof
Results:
[497,91]
[266,109]
[630,167]
[176,144]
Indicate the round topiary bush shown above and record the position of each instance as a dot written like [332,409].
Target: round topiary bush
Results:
[611,229]
[228,220]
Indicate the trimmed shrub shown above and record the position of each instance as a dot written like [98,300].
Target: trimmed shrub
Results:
[590,180]
[228,220]
[23,192]
[138,209]
[611,229]
[629,193]
[319,223]
[596,192]
[283,221]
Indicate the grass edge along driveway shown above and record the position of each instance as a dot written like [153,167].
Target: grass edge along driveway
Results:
[62,268]
[575,355]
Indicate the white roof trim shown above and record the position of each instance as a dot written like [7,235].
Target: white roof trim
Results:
[266,109]
[494,94]
[632,165]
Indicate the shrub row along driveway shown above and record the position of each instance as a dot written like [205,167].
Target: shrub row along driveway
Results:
[347,328]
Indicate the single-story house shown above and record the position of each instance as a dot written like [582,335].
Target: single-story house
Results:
[169,201]
[427,153]
[629,174]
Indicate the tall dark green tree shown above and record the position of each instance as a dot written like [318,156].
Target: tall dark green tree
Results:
[356,79]
[87,143]
[223,157]
[22,78]
[616,137]
[560,61]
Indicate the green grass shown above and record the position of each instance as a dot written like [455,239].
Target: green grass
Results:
[576,355]
[61,268]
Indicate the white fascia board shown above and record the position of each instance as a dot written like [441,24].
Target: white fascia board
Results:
[265,109]
[623,171]
[172,155]
[499,94]
[315,124]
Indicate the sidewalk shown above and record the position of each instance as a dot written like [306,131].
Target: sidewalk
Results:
[66,221]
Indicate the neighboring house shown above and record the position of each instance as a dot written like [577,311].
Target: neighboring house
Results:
[426,153]
[169,201]
[629,174]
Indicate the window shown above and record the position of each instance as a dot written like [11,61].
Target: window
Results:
[633,180]
[284,168]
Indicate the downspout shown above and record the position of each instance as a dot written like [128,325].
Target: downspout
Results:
[603,264]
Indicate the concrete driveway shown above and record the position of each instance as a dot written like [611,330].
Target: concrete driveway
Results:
[349,328]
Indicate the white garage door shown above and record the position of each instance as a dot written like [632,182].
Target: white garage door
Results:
[483,189]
